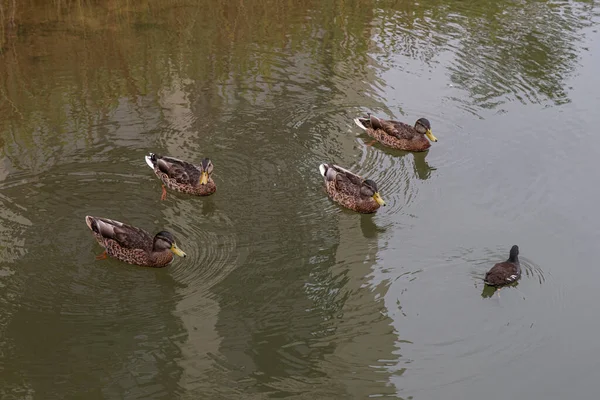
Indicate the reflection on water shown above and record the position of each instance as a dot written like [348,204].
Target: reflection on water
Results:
[283,293]
[12,230]
[497,52]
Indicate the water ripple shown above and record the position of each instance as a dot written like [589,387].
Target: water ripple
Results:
[502,324]
[511,57]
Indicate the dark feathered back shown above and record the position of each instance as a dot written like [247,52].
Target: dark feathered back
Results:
[506,272]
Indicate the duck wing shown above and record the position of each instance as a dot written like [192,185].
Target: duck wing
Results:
[127,236]
[346,181]
[401,130]
[502,274]
[349,176]
[182,171]
[393,128]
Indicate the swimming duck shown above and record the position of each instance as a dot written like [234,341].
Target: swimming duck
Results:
[396,134]
[183,176]
[350,190]
[506,272]
[133,245]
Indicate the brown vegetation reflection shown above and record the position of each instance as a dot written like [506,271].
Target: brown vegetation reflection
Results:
[70,62]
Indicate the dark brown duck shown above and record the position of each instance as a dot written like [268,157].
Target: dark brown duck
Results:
[506,272]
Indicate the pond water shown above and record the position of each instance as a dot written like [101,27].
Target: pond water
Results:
[284,294]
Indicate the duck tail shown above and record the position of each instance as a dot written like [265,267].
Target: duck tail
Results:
[151,160]
[360,122]
[90,222]
[323,169]
[103,226]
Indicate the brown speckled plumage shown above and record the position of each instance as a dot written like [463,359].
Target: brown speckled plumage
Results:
[349,189]
[182,176]
[396,134]
[131,244]
[506,272]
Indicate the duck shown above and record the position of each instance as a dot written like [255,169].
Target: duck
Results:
[398,135]
[133,245]
[183,176]
[505,273]
[350,190]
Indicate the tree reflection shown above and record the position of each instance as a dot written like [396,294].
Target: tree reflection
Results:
[502,50]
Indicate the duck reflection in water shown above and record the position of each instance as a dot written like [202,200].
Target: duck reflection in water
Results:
[421,167]
[369,228]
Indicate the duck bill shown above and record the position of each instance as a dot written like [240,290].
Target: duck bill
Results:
[378,199]
[177,251]
[204,178]
[430,136]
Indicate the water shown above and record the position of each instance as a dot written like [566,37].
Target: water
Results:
[283,294]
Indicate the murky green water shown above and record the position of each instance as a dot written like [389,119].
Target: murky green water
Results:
[284,294]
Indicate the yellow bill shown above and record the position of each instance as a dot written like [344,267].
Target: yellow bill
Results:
[430,136]
[378,199]
[177,251]
[204,178]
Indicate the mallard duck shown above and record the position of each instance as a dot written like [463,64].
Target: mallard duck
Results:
[183,176]
[506,272]
[133,245]
[350,190]
[398,135]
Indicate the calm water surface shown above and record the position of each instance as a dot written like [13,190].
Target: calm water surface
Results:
[284,294]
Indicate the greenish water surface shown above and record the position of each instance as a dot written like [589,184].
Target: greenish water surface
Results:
[283,293]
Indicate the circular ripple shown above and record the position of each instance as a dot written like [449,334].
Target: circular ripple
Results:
[397,173]
[494,332]
[483,263]
[207,239]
